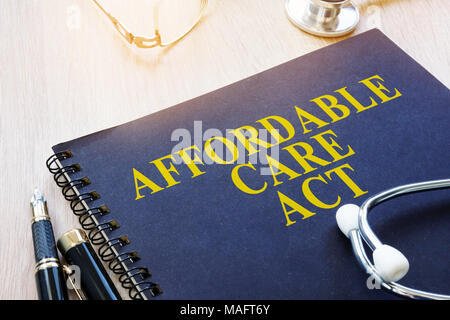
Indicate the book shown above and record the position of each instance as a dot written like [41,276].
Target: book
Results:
[233,194]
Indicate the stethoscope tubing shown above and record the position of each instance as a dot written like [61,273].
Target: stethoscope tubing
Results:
[366,233]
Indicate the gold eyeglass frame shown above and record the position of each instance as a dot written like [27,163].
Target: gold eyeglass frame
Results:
[146,42]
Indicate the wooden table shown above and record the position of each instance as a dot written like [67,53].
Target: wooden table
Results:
[66,73]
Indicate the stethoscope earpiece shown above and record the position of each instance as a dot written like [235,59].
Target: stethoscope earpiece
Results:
[347,218]
[389,264]
[326,18]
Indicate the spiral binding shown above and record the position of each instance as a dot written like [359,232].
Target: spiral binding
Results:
[134,279]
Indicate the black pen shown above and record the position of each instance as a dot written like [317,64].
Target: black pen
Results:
[48,271]
[94,281]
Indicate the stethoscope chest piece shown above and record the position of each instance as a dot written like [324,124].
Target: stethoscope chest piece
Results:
[326,18]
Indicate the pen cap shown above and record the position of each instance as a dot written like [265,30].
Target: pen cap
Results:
[74,245]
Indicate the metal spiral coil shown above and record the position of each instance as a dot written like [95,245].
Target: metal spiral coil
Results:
[87,220]
[135,279]
[105,251]
[137,291]
[59,175]
[52,162]
[77,204]
[126,278]
[116,264]
[96,234]
[139,274]
[69,190]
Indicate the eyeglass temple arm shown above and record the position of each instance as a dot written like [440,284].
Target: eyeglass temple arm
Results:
[203,6]
[141,42]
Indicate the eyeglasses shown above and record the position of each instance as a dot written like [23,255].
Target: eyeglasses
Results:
[157,39]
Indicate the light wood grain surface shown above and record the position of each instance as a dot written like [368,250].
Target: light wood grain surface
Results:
[66,73]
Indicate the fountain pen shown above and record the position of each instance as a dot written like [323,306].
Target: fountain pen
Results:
[48,271]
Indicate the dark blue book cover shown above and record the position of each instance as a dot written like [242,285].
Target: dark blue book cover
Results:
[232,195]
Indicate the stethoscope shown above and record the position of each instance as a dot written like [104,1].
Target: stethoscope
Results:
[389,265]
[326,18]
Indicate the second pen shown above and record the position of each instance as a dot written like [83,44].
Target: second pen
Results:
[48,271]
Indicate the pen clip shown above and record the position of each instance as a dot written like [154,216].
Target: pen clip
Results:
[70,272]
